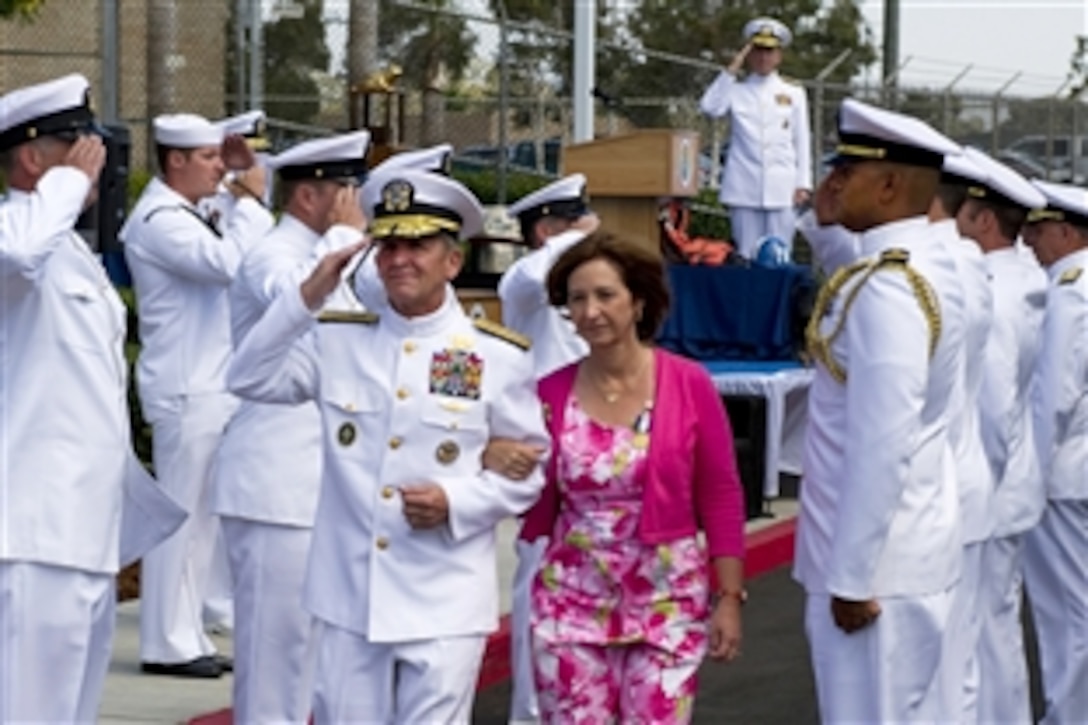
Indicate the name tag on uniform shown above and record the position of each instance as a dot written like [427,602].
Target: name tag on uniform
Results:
[783,99]
[456,373]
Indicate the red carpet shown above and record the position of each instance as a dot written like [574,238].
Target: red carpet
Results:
[767,549]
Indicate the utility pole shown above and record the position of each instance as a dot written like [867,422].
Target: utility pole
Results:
[362,45]
[585,67]
[891,46]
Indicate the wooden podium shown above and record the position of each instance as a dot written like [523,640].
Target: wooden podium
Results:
[627,176]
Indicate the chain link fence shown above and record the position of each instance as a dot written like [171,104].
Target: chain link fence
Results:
[146,57]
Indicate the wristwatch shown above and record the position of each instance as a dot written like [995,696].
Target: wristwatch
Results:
[740,596]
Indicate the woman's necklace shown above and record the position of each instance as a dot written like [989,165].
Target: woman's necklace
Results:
[611,396]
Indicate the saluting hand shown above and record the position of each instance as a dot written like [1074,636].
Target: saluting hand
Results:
[851,616]
[236,153]
[346,209]
[738,59]
[87,154]
[425,505]
[327,274]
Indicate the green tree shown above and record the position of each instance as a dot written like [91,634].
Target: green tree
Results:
[294,49]
[24,9]
[432,48]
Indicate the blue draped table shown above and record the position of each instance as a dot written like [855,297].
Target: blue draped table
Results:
[735,313]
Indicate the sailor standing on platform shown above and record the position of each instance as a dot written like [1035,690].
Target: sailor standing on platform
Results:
[769,169]
[878,548]
[182,268]
[402,567]
[268,471]
[1056,550]
[997,203]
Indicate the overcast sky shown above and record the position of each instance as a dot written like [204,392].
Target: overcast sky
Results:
[1000,37]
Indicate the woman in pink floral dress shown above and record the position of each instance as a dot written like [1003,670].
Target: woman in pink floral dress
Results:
[623,607]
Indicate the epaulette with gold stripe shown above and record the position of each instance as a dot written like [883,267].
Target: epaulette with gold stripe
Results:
[1071,275]
[503,333]
[349,316]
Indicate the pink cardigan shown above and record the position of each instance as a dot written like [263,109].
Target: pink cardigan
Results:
[690,480]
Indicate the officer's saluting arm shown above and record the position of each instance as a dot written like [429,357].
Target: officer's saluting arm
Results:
[524,285]
[176,240]
[888,361]
[479,502]
[32,228]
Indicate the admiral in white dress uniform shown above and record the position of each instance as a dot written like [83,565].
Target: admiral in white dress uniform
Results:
[402,566]
[997,203]
[1055,551]
[268,470]
[878,547]
[182,268]
[769,168]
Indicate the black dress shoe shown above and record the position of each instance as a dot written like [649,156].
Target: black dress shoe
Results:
[207,668]
[225,663]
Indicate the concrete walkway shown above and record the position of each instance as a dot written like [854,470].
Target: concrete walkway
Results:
[132,697]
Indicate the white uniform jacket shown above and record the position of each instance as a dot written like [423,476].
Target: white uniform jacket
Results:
[1019,287]
[403,401]
[1061,407]
[879,514]
[269,463]
[181,271]
[525,307]
[64,425]
[973,473]
[770,153]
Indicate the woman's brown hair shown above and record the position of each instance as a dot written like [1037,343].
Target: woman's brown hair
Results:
[641,269]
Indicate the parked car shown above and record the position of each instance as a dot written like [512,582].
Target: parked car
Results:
[1060,161]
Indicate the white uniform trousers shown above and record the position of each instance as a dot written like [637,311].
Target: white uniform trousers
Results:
[1003,694]
[523,705]
[959,666]
[404,683]
[1056,575]
[888,672]
[274,649]
[56,633]
[174,575]
[750,224]
[219,602]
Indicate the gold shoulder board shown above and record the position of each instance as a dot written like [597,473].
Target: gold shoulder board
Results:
[358,318]
[894,256]
[503,333]
[1071,275]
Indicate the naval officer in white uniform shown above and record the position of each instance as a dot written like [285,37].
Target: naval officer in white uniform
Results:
[878,548]
[402,567]
[182,267]
[1055,552]
[268,471]
[769,169]
[997,203]
[64,424]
